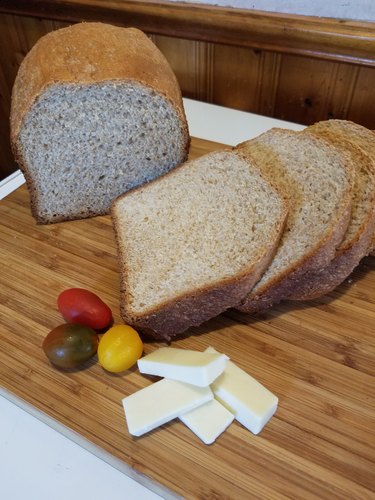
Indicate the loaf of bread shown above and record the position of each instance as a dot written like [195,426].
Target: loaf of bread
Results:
[358,238]
[96,111]
[318,180]
[193,243]
[351,133]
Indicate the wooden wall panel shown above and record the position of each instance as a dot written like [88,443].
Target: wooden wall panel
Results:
[317,37]
[246,79]
[361,108]
[293,87]
[17,35]
[192,64]
[236,75]
[7,165]
[305,89]
[268,83]
[341,90]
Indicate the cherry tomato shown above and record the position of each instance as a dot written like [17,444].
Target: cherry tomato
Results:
[78,305]
[69,345]
[119,348]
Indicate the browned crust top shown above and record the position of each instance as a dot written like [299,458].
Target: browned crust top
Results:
[90,53]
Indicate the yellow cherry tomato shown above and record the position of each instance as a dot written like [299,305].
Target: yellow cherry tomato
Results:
[119,348]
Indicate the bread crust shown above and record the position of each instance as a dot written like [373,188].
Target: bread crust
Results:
[350,253]
[281,286]
[88,54]
[320,283]
[287,283]
[77,55]
[351,133]
[170,319]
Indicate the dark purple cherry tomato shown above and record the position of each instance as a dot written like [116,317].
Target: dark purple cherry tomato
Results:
[78,305]
[70,345]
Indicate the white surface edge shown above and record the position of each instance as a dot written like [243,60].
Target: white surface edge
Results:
[11,183]
[228,126]
[53,467]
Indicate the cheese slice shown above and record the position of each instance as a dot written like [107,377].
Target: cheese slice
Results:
[192,367]
[250,402]
[208,421]
[161,402]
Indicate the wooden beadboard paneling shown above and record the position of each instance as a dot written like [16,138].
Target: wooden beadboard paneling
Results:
[361,107]
[7,165]
[298,88]
[179,54]
[335,39]
[311,90]
[340,91]
[236,75]
[192,62]
[268,83]
[17,36]
[245,79]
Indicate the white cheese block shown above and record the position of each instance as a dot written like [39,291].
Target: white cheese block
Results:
[161,402]
[192,367]
[208,421]
[252,404]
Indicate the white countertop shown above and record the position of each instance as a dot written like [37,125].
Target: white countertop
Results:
[44,462]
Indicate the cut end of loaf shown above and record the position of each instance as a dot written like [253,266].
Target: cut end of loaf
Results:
[83,145]
[358,237]
[318,180]
[207,223]
[348,134]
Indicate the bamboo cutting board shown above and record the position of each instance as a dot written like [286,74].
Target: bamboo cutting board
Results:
[317,357]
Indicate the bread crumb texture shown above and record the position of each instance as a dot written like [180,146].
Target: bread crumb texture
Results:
[204,223]
[316,180]
[364,179]
[96,110]
[86,144]
[349,134]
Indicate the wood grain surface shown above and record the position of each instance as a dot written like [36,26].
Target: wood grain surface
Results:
[317,357]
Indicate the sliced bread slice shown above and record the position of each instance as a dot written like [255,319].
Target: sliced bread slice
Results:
[358,237]
[96,110]
[318,180]
[352,133]
[192,243]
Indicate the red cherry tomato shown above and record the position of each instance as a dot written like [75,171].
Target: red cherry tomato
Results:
[78,305]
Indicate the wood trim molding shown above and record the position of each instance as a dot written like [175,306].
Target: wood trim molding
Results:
[333,39]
